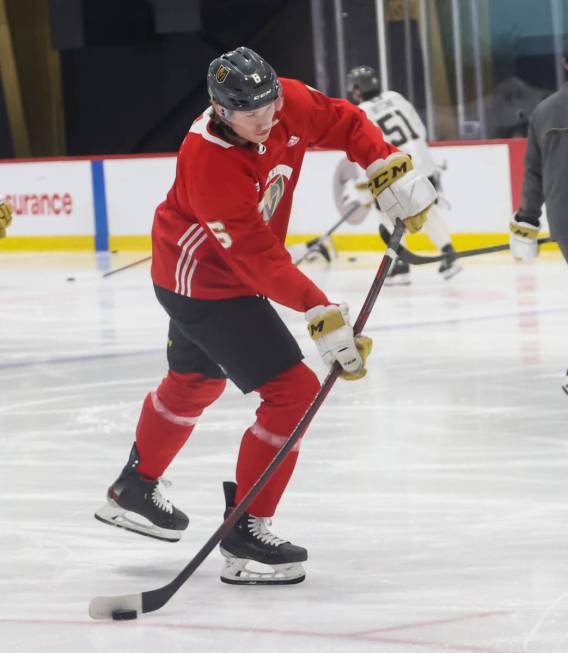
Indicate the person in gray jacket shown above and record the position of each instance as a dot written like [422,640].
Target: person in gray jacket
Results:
[546,176]
[546,179]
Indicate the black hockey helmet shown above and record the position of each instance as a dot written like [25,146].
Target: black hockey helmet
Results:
[241,80]
[364,79]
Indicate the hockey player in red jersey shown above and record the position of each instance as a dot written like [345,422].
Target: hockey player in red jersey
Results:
[218,257]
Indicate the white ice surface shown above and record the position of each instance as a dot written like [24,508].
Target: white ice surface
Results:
[432,496]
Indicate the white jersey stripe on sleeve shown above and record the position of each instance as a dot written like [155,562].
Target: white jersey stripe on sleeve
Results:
[190,276]
[185,241]
[187,233]
[186,276]
[184,237]
[188,249]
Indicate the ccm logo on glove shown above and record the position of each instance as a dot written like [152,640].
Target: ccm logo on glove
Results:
[401,192]
[330,329]
[389,174]
[334,320]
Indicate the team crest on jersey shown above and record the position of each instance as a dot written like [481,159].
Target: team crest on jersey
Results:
[222,74]
[275,187]
[293,140]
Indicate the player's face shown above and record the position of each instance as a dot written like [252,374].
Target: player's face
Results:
[254,125]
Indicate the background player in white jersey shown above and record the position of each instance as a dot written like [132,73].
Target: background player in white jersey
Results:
[401,126]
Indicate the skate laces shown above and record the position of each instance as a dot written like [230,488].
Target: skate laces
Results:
[162,502]
[258,526]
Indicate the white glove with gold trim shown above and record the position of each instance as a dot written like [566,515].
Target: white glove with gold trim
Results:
[5,216]
[329,327]
[401,192]
[523,239]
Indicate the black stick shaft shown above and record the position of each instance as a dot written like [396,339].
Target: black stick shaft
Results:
[416,259]
[155,599]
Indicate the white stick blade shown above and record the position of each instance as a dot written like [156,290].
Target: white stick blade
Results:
[101,607]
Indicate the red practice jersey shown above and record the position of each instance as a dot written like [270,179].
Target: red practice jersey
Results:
[220,233]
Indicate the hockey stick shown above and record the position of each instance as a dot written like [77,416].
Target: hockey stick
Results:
[103,607]
[414,259]
[125,267]
[312,245]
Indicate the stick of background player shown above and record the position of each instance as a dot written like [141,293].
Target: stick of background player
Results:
[402,127]
[418,259]
[322,245]
[5,216]
[125,267]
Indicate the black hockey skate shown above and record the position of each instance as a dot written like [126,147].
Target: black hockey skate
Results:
[399,274]
[134,493]
[250,541]
[450,266]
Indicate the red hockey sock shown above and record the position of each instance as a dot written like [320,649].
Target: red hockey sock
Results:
[168,417]
[284,402]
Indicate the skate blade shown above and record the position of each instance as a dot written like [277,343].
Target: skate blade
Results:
[451,272]
[239,571]
[114,515]
[398,280]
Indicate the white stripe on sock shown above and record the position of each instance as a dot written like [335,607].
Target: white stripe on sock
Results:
[166,413]
[273,439]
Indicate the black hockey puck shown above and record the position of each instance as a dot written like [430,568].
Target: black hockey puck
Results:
[124,615]
[352,259]
[70,278]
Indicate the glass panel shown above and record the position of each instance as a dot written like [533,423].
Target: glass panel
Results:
[472,68]
[404,53]
[522,63]
[360,32]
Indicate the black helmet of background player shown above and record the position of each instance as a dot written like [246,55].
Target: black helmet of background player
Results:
[241,80]
[363,84]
